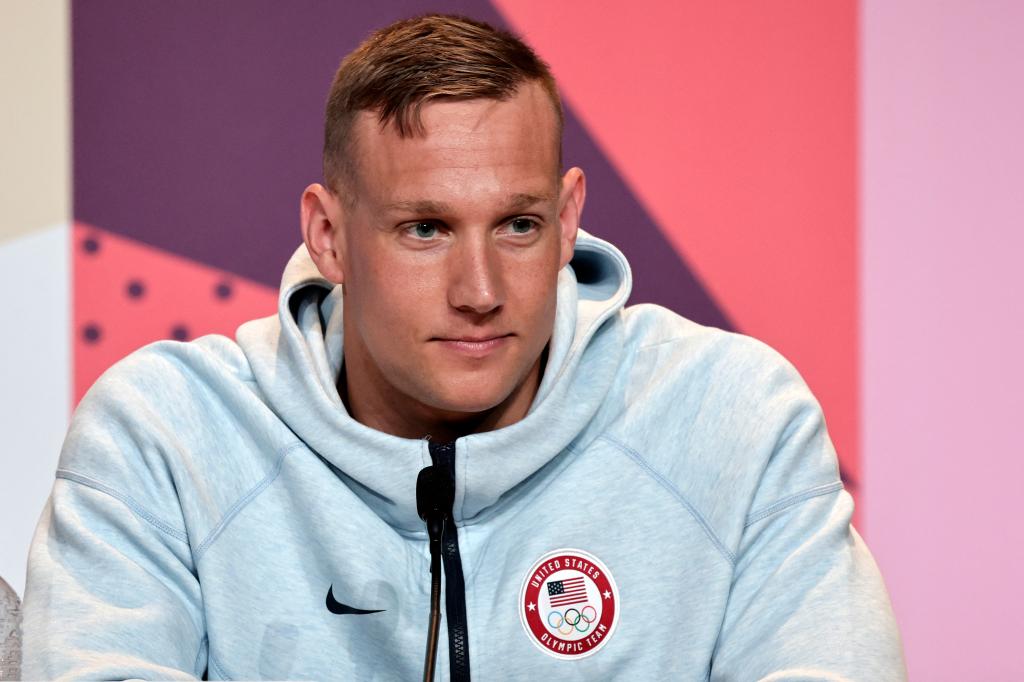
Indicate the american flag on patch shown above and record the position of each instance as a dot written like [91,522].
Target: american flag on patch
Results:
[568,591]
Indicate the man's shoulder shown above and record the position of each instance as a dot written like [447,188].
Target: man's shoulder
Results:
[720,390]
[722,418]
[675,367]
[690,349]
[170,381]
[162,362]
[171,394]
[176,424]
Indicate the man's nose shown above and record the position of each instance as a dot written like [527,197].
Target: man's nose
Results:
[475,282]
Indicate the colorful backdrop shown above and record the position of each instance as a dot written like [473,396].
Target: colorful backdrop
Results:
[839,179]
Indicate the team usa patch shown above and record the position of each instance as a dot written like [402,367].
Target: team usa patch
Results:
[569,603]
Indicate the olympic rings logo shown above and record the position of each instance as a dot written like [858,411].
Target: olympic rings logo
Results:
[572,620]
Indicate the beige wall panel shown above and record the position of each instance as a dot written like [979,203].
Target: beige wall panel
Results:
[35,124]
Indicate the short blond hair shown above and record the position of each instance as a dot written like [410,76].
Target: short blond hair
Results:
[401,67]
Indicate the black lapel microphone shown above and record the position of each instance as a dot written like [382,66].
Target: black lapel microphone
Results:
[434,497]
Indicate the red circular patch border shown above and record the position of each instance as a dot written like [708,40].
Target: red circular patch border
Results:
[531,620]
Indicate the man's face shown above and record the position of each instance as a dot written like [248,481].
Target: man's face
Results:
[450,249]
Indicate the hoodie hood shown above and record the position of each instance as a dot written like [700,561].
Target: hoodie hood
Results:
[296,357]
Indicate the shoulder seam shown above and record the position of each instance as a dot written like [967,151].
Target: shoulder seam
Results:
[127,500]
[663,342]
[790,500]
[665,483]
[243,501]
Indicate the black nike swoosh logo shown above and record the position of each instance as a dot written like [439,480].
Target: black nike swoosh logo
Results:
[335,606]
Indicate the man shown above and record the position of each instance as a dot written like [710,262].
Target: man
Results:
[622,493]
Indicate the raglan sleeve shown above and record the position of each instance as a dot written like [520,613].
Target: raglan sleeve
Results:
[112,591]
[807,600]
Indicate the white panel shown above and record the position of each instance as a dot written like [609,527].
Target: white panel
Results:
[35,384]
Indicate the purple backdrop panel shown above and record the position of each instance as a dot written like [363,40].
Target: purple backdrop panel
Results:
[196,126]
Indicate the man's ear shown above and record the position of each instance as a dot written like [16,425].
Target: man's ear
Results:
[320,212]
[570,207]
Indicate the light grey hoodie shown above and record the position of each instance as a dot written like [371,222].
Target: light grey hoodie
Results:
[670,508]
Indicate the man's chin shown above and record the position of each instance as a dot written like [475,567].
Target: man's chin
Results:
[464,401]
[462,408]
[477,399]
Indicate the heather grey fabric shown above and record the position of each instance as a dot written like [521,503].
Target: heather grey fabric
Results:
[210,493]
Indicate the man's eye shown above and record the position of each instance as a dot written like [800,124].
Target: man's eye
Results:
[424,230]
[522,225]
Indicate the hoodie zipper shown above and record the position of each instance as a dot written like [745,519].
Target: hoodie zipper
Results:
[443,456]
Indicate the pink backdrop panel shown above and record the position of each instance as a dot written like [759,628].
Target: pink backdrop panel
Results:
[735,124]
[127,294]
[943,178]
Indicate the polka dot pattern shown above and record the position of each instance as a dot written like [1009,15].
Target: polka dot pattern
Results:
[135,289]
[91,333]
[128,294]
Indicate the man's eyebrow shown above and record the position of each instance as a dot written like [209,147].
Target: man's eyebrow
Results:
[423,206]
[520,201]
[515,202]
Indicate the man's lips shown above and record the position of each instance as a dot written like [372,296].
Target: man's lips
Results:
[474,346]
